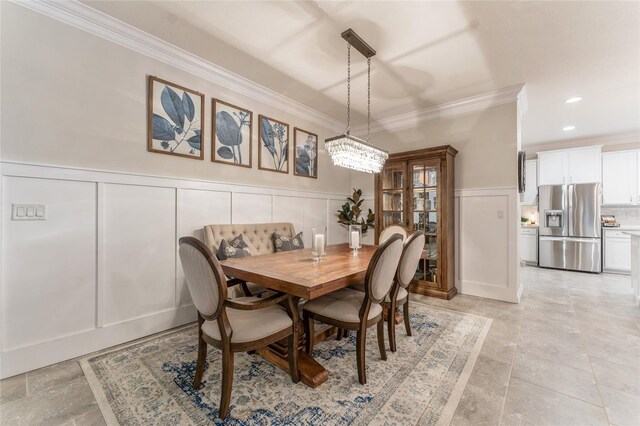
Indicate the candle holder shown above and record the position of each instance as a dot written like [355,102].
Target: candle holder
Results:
[318,242]
[355,238]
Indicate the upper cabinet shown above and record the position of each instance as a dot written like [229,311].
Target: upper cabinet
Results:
[578,165]
[531,188]
[620,178]
[552,167]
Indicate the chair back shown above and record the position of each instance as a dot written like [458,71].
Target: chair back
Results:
[390,230]
[411,255]
[382,269]
[205,279]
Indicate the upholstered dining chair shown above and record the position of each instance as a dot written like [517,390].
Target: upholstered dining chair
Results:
[399,296]
[350,309]
[239,325]
[390,230]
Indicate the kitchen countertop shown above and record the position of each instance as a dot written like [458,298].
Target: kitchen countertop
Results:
[622,228]
[528,226]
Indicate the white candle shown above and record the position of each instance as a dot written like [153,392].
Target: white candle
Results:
[319,243]
[355,239]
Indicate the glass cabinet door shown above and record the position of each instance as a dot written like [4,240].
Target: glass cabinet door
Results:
[393,178]
[424,216]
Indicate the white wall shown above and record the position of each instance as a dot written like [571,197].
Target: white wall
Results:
[102,269]
[71,98]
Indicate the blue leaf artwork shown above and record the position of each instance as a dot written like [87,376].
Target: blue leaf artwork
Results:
[176,119]
[232,134]
[306,153]
[274,145]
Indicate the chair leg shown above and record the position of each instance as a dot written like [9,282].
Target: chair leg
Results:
[339,334]
[383,352]
[309,331]
[227,382]
[361,340]
[405,312]
[293,357]
[202,359]
[391,326]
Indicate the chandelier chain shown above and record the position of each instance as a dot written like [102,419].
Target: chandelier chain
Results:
[368,99]
[348,88]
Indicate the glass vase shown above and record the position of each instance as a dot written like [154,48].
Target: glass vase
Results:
[355,238]
[318,242]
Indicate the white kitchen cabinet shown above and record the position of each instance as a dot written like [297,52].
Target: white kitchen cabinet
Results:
[531,178]
[552,167]
[529,245]
[620,180]
[617,251]
[585,165]
[564,166]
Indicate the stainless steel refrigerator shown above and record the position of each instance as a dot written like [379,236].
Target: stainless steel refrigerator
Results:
[570,236]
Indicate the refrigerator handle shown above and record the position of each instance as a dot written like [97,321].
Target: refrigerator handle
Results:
[569,210]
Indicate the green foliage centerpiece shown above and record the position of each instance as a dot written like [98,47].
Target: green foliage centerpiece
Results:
[351,210]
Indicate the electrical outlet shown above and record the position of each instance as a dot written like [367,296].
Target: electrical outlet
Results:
[28,212]
[500,214]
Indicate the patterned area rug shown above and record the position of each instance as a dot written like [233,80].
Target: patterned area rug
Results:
[149,382]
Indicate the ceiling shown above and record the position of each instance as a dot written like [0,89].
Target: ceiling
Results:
[428,53]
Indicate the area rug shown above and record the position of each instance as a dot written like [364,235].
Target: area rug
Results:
[149,382]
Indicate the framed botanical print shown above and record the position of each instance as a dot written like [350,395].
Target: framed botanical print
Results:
[305,146]
[176,119]
[273,151]
[232,134]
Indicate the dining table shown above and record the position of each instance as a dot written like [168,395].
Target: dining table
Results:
[298,274]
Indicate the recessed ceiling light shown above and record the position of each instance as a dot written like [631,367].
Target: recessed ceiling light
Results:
[573,100]
[568,128]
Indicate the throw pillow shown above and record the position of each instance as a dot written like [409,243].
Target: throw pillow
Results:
[233,249]
[287,244]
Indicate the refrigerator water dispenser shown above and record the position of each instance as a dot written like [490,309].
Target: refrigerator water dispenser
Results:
[553,218]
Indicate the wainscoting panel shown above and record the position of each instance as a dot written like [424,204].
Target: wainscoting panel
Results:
[337,233]
[103,268]
[139,251]
[289,209]
[487,243]
[250,208]
[49,266]
[197,208]
[315,214]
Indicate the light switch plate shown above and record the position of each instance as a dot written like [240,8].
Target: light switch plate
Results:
[28,212]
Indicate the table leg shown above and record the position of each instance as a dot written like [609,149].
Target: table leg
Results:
[312,373]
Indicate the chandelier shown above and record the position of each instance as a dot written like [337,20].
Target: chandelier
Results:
[346,150]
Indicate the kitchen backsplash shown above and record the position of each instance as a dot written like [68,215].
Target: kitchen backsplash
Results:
[624,215]
[531,212]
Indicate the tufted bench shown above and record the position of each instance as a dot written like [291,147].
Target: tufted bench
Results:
[257,234]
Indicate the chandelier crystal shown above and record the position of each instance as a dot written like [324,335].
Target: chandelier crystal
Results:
[346,150]
[354,153]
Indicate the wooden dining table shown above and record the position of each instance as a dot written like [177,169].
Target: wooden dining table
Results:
[298,274]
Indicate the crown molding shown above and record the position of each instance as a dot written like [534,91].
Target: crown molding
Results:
[602,140]
[86,18]
[463,106]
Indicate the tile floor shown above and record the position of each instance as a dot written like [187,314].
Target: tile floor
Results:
[569,354]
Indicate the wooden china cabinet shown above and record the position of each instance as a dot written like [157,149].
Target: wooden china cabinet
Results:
[415,190]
